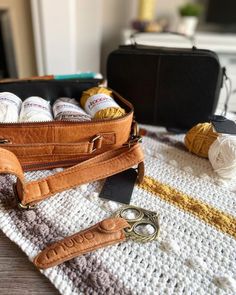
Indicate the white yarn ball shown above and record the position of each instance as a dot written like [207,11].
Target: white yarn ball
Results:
[222,155]
[10,105]
[65,108]
[35,109]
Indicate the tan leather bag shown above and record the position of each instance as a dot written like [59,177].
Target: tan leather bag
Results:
[93,150]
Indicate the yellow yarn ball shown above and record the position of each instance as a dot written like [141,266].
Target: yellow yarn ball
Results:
[92,91]
[199,139]
[110,112]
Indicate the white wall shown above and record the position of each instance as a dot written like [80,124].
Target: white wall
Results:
[72,35]
[89,34]
[67,35]
[118,15]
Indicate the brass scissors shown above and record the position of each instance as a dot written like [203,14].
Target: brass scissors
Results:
[144,224]
[129,222]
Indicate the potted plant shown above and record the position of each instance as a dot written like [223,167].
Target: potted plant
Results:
[189,13]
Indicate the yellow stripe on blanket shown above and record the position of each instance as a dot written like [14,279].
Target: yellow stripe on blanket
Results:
[222,221]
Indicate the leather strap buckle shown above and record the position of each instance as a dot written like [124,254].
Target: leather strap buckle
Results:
[20,205]
[134,139]
[96,142]
[135,128]
[4,141]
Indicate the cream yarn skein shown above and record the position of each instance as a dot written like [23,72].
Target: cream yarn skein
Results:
[222,155]
[68,109]
[10,105]
[35,109]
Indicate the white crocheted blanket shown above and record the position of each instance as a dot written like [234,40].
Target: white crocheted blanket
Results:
[196,250]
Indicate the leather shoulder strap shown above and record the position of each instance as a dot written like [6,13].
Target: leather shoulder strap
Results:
[101,166]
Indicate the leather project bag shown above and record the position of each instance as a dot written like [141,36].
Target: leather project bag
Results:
[172,87]
[93,150]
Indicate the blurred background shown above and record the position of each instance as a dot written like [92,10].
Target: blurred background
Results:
[41,37]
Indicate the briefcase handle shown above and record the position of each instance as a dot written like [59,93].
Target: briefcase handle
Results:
[191,39]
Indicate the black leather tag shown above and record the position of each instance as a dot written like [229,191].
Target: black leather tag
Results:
[223,125]
[119,187]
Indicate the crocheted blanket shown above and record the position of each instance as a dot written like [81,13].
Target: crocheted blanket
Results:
[195,253]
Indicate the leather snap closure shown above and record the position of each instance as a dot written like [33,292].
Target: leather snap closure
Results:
[108,225]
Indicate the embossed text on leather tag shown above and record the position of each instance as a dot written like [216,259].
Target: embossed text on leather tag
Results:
[119,187]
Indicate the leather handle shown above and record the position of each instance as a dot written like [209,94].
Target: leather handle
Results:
[107,232]
[76,148]
[98,167]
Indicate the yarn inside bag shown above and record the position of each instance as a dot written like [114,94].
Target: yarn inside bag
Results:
[10,105]
[65,108]
[99,103]
[35,109]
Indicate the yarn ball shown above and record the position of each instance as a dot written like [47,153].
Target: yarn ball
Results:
[35,109]
[10,105]
[199,139]
[222,155]
[108,109]
[68,109]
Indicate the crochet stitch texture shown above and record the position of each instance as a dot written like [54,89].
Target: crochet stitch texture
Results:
[195,253]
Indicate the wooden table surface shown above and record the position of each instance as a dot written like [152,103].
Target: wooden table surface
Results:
[18,275]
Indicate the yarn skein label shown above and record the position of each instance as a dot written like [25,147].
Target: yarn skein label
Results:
[10,105]
[10,100]
[36,104]
[63,108]
[99,102]
[35,109]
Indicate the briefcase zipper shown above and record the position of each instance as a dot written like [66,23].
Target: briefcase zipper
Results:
[10,124]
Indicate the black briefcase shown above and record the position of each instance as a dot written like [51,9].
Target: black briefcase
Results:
[171,87]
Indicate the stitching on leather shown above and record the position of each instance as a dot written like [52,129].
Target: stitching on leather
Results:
[41,145]
[110,138]
[9,153]
[54,154]
[16,173]
[120,238]
[10,170]
[40,184]
[88,180]
[71,170]
[67,187]
[77,159]
[35,161]
[12,157]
